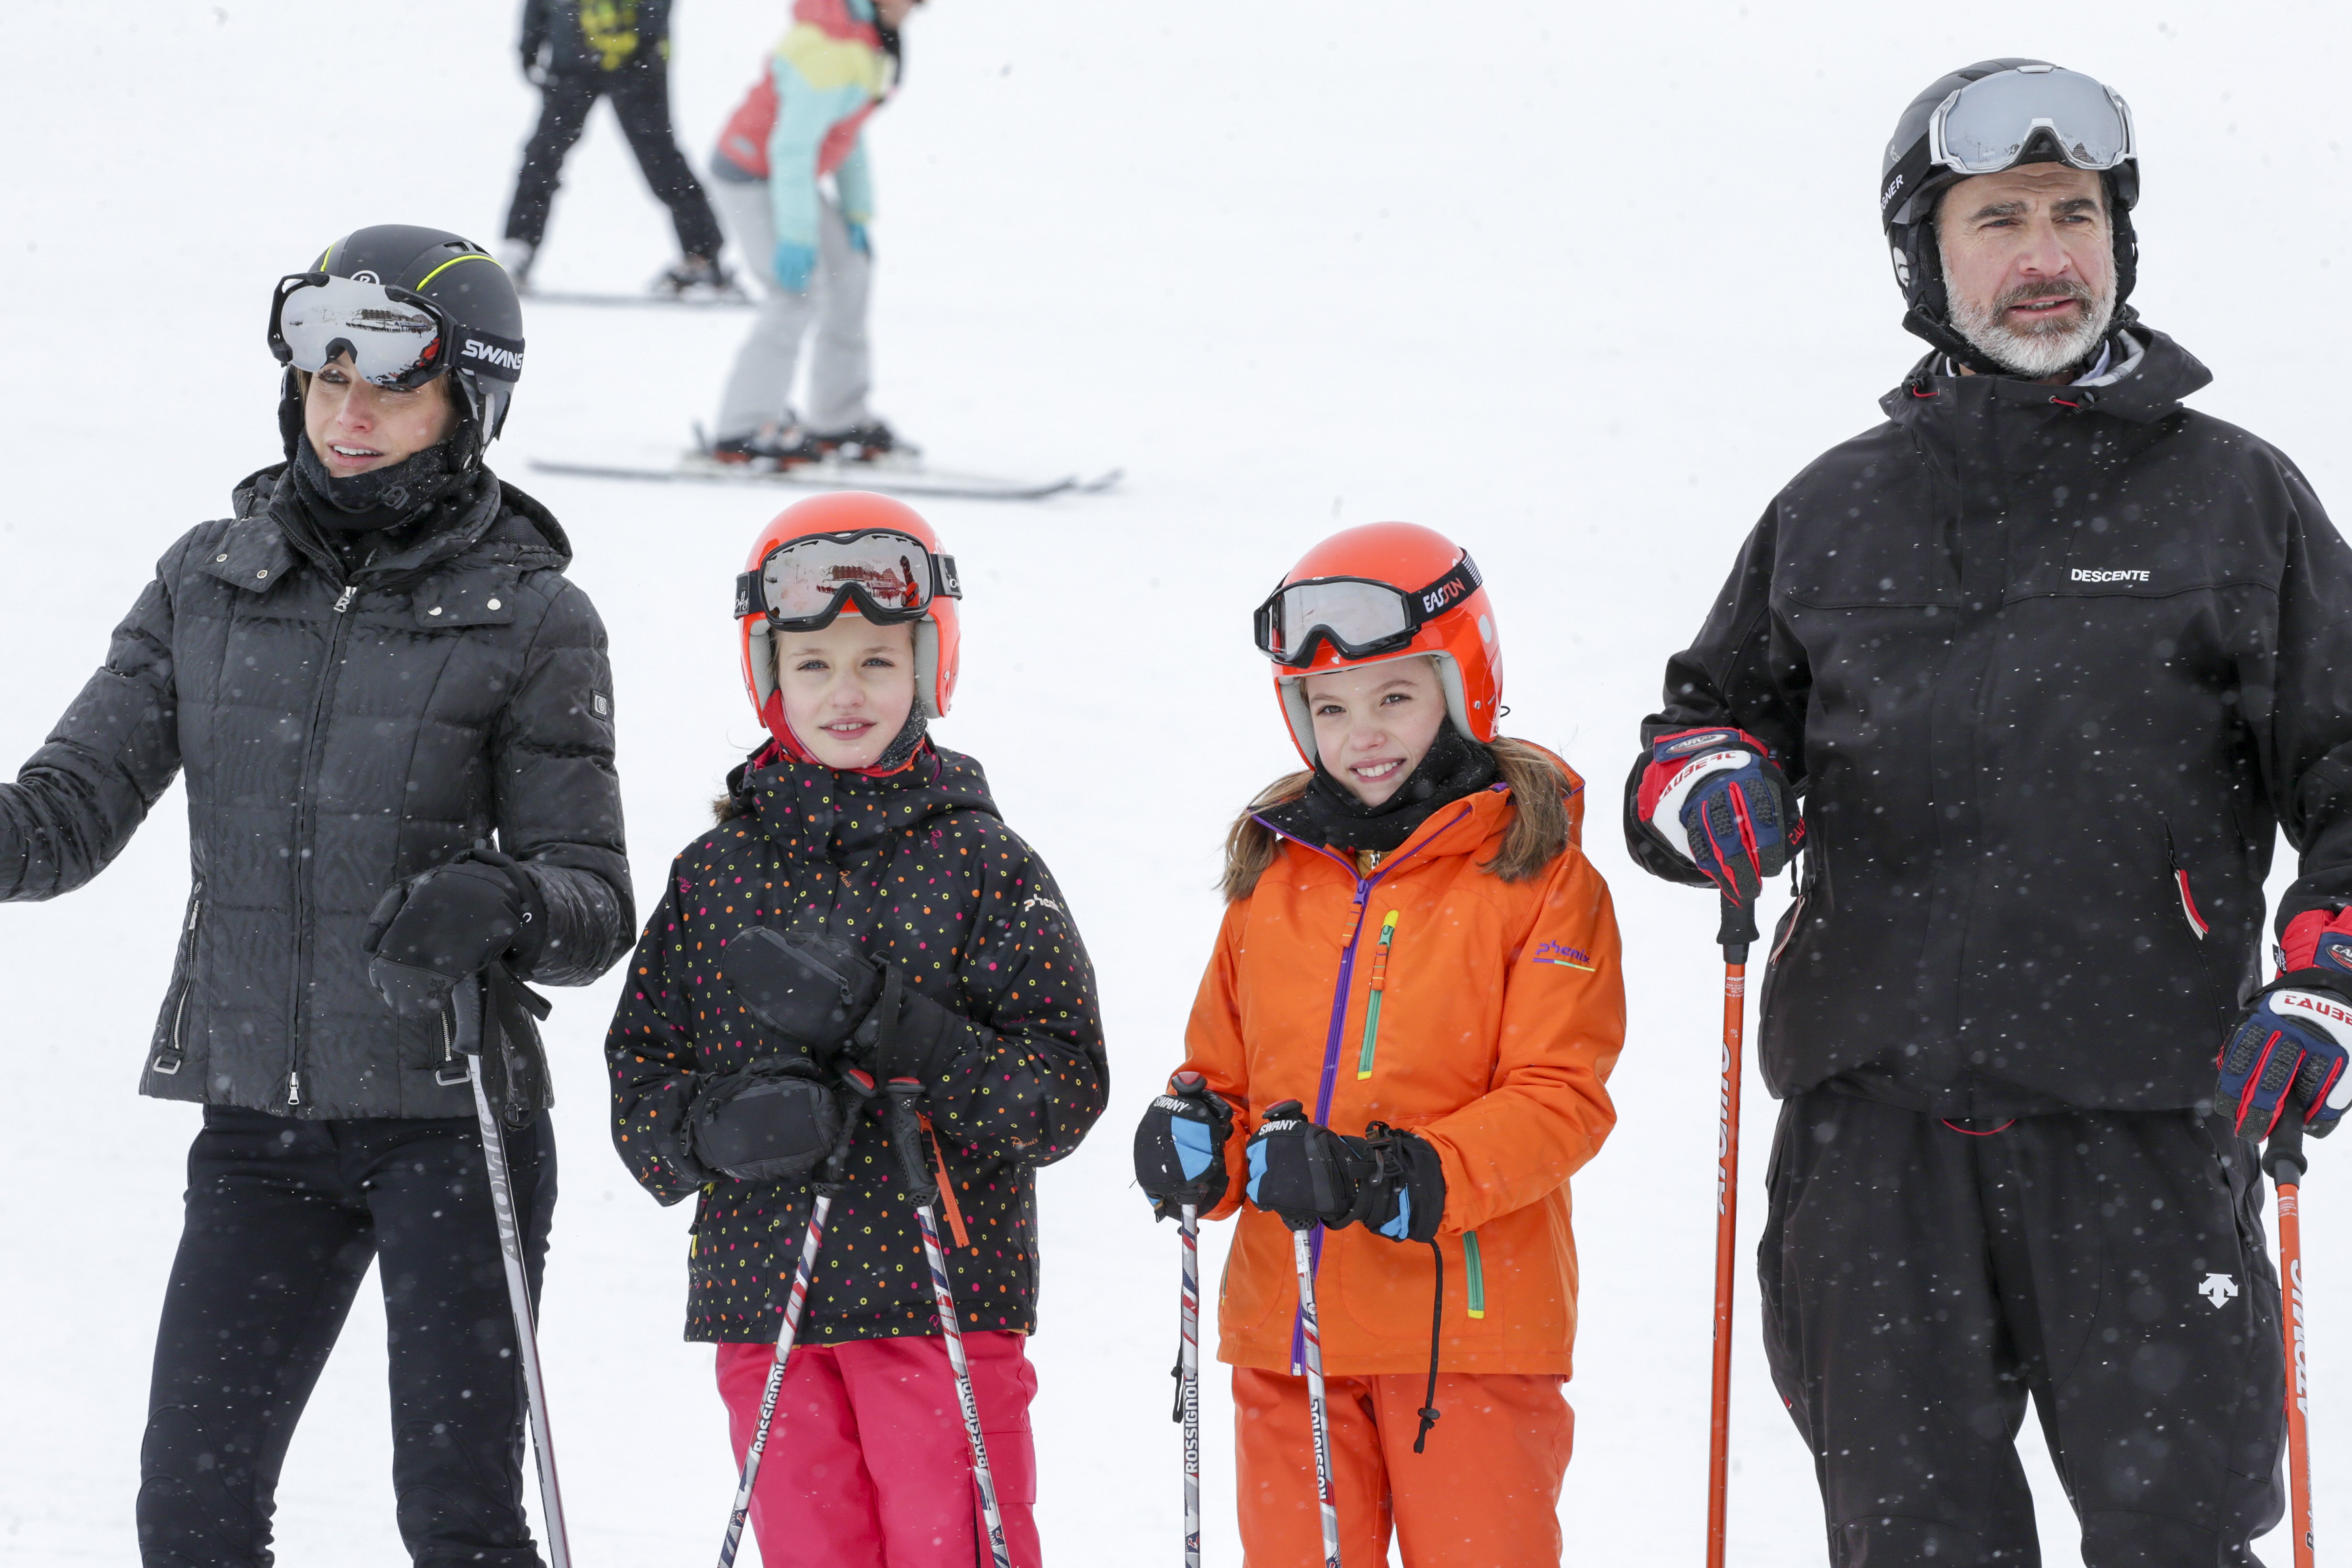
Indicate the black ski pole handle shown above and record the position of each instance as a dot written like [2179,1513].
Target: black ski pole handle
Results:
[906,1137]
[2283,1155]
[1736,930]
[466,1016]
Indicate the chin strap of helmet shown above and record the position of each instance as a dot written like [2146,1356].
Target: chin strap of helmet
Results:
[896,757]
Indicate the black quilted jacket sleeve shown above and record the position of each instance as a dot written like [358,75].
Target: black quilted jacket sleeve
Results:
[559,797]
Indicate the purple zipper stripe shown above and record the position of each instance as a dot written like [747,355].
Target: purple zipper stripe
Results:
[1339,1017]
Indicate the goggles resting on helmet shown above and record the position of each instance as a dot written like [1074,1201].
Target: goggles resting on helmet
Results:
[1358,616]
[1989,124]
[803,583]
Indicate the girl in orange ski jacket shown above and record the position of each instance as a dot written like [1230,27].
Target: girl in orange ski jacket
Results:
[1430,971]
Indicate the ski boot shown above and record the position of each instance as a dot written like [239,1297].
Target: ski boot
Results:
[770,447]
[864,443]
[516,255]
[695,279]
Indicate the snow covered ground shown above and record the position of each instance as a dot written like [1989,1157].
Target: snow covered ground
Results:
[1581,285]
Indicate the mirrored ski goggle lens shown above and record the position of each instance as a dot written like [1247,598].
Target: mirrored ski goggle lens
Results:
[1991,119]
[803,578]
[1356,613]
[389,343]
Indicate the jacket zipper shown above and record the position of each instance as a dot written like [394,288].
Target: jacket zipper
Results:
[1373,1003]
[2180,884]
[304,823]
[1475,1272]
[1364,886]
[168,1062]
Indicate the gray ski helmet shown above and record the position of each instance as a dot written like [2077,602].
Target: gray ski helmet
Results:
[1910,187]
[460,282]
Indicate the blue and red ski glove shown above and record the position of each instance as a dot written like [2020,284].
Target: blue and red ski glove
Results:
[2294,1045]
[1389,1182]
[1716,798]
[1180,1147]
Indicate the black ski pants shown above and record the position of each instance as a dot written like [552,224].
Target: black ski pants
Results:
[283,1218]
[1921,1278]
[640,95]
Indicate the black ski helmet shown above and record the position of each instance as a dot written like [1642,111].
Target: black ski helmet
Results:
[455,276]
[1910,188]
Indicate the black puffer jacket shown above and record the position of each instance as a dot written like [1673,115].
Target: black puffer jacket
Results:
[2050,665]
[916,867]
[338,737]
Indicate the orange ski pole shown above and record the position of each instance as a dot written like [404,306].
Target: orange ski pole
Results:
[2284,1159]
[1737,930]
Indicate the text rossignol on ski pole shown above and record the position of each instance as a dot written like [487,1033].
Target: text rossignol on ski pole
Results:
[2283,1158]
[466,1002]
[906,1133]
[1319,1413]
[1737,930]
[836,1166]
[1188,1380]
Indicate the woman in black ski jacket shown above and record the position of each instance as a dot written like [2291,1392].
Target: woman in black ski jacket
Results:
[394,716]
[942,954]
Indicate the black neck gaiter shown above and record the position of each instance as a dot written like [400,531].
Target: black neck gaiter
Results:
[381,499]
[1453,767]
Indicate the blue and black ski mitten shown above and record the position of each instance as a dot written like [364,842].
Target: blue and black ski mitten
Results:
[1390,1182]
[1180,1147]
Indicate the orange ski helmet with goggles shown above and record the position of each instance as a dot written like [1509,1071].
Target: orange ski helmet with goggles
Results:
[848,550]
[1384,591]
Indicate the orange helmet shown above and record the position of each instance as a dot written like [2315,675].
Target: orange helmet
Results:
[849,547]
[1384,591]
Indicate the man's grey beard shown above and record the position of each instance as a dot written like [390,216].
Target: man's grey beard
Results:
[2035,351]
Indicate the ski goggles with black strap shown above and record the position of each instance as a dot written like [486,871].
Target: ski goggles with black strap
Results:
[1995,122]
[395,338]
[803,583]
[1359,616]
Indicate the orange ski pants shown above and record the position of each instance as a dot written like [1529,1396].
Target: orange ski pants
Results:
[1484,1492]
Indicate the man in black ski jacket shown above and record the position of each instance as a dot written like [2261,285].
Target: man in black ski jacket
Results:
[574,52]
[2050,660]
[393,716]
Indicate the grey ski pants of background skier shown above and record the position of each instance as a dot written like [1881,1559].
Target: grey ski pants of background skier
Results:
[760,388]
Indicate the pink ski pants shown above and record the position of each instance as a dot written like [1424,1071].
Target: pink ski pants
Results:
[868,1465]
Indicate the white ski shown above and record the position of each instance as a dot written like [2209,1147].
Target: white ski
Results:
[890,478]
[736,302]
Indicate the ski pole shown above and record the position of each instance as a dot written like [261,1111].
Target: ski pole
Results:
[906,1132]
[835,1166]
[1319,1413]
[465,1001]
[2284,1159]
[1188,1380]
[1736,929]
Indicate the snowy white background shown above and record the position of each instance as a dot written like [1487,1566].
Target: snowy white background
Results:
[1581,287]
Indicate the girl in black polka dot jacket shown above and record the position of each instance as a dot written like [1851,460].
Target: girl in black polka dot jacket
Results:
[883,856]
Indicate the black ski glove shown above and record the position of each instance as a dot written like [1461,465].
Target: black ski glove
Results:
[771,1121]
[1180,1147]
[435,929]
[840,1004]
[1389,1180]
